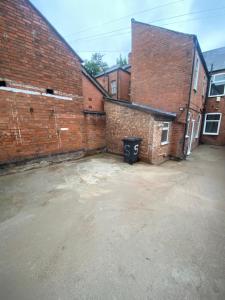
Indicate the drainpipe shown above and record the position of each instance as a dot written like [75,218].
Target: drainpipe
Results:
[189,100]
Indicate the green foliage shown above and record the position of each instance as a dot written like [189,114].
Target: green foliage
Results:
[120,61]
[95,64]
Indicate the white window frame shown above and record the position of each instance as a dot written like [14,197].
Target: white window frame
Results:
[113,88]
[197,133]
[196,74]
[167,128]
[219,121]
[212,81]
[188,125]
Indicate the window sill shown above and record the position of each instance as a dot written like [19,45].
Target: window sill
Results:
[206,133]
[164,143]
[214,96]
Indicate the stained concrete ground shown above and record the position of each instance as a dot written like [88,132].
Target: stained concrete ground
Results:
[98,228]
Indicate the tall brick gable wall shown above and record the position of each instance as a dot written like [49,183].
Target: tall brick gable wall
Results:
[34,58]
[162,64]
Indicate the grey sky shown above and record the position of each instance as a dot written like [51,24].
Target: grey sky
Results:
[88,24]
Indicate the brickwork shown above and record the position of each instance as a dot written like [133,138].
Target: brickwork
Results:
[122,121]
[213,106]
[162,63]
[34,58]
[93,98]
[122,79]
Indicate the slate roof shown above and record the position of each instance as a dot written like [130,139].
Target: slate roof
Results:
[113,68]
[215,59]
[144,108]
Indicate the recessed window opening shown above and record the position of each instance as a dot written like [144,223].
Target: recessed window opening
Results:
[2,83]
[113,87]
[165,133]
[50,91]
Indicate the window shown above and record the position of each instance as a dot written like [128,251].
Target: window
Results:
[212,123]
[217,85]
[165,133]
[188,125]
[198,126]
[113,87]
[196,72]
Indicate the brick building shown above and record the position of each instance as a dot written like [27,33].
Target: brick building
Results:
[213,131]
[116,81]
[169,73]
[43,110]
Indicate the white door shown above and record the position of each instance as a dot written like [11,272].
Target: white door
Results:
[190,141]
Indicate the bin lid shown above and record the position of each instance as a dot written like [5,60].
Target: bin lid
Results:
[132,139]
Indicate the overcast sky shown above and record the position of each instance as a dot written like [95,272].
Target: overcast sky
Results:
[104,25]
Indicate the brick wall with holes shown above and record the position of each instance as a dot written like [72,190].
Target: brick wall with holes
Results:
[122,122]
[161,76]
[93,98]
[41,102]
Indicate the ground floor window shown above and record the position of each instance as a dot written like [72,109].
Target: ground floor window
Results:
[212,123]
[165,133]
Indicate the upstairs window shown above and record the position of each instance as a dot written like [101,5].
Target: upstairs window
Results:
[217,85]
[196,72]
[165,133]
[113,87]
[212,124]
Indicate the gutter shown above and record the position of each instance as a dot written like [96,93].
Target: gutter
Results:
[189,100]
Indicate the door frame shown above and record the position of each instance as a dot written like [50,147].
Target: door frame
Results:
[190,140]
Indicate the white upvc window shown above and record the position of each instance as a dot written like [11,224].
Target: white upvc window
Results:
[212,123]
[217,85]
[113,87]
[188,125]
[196,73]
[198,126]
[165,133]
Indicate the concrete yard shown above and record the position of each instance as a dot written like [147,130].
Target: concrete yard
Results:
[98,228]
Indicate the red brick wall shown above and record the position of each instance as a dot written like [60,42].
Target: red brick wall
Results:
[95,128]
[161,75]
[124,85]
[123,82]
[32,126]
[122,121]
[33,58]
[93,99]
[212,106]
[161,67]
[32,53]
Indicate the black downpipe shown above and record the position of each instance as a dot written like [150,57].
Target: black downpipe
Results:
[189,100]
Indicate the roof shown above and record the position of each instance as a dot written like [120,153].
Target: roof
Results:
[114,68]
[144,108]
[215,59]
[55,31]
[95,82]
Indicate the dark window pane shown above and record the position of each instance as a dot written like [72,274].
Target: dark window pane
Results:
[164,136]
[213,117]
[211,127]
[216,89]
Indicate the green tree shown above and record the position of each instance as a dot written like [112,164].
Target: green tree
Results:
[95,64]
[120,61]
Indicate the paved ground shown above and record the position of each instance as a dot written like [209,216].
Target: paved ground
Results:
[101,229]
